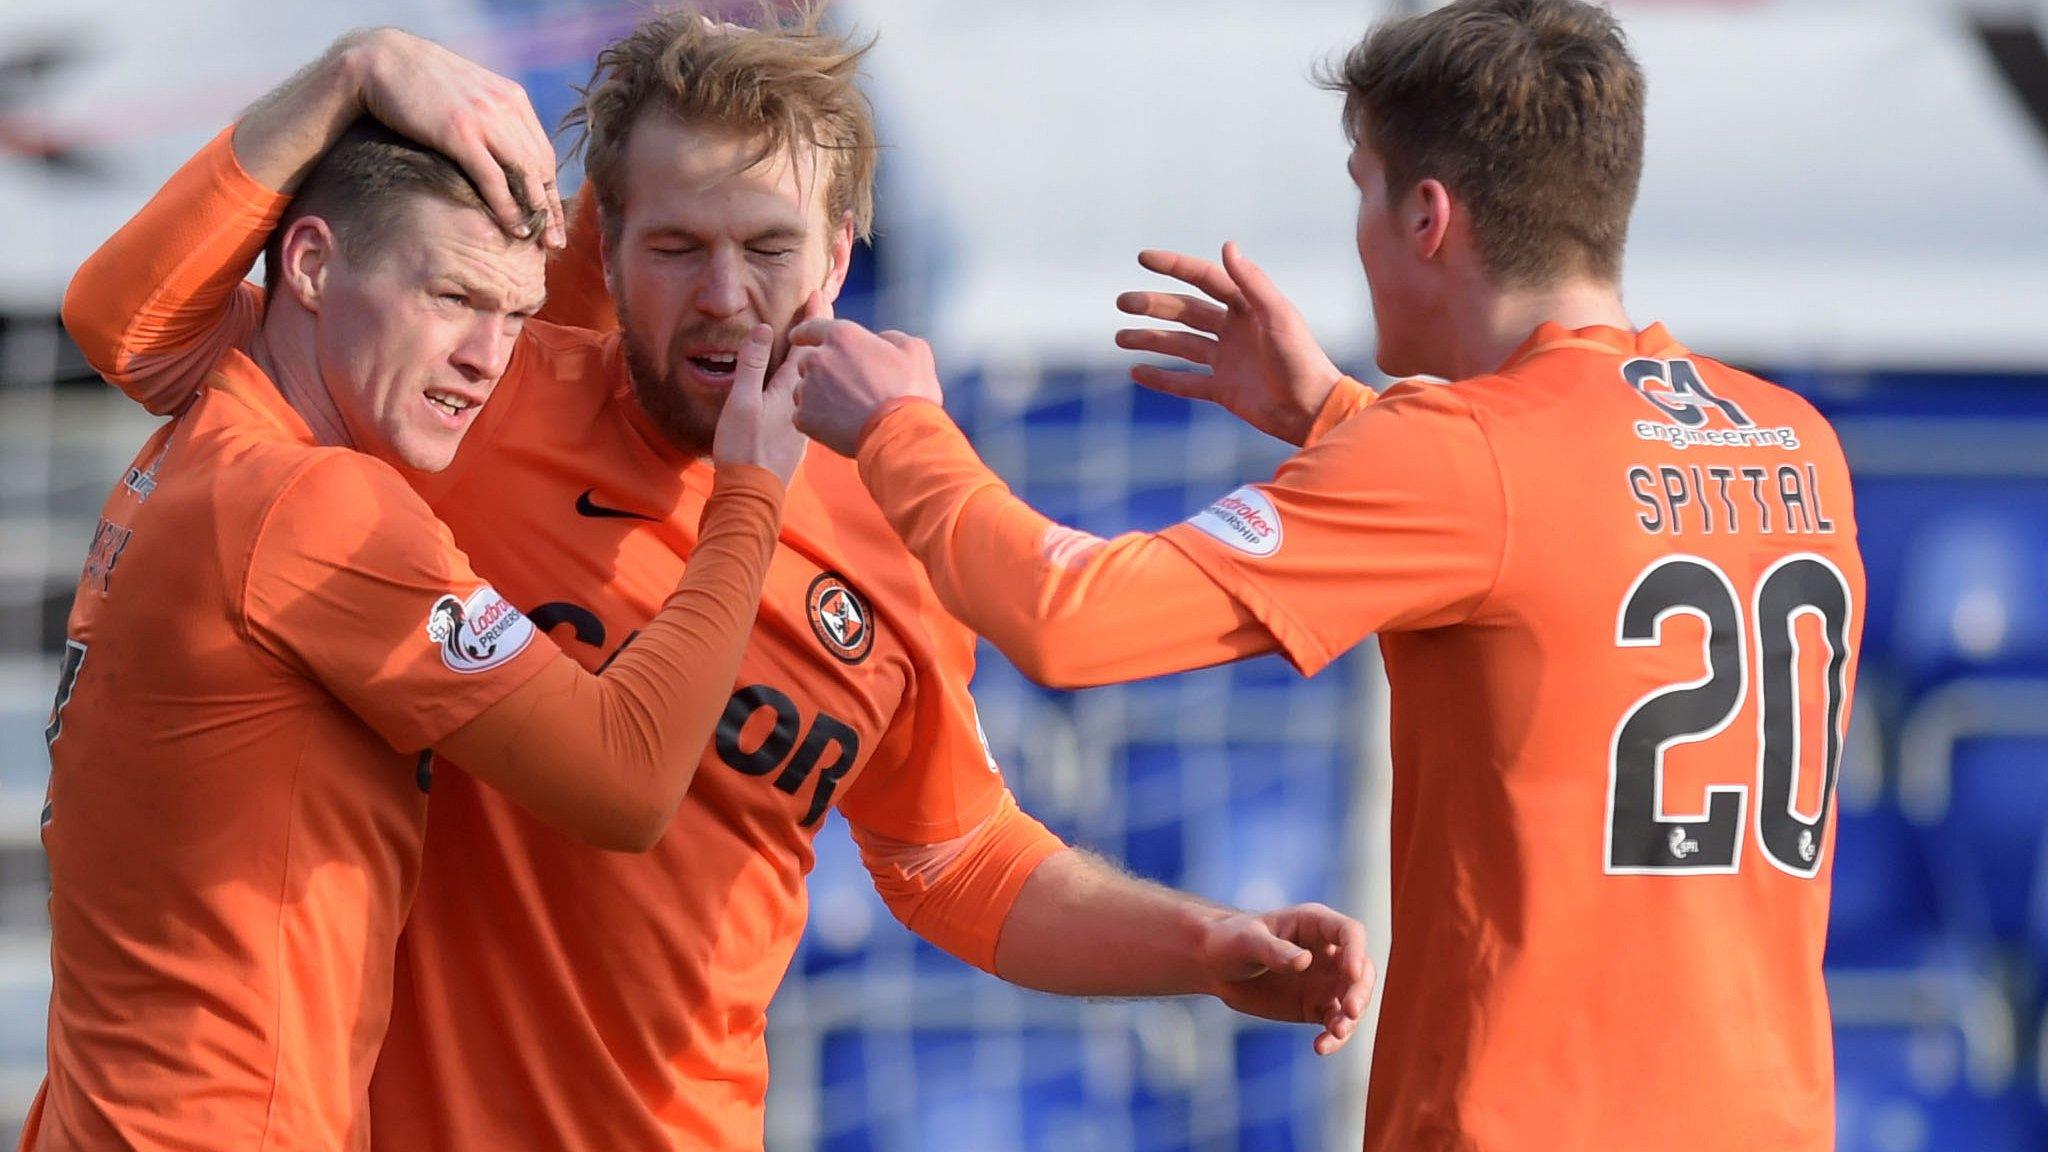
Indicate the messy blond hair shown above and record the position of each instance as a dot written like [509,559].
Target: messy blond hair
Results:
[783,79]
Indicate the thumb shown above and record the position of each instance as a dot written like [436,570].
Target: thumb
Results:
[1260,292]
[751,372]
[1258,945]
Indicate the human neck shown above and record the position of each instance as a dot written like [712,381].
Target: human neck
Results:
[1492,324]
[284,350]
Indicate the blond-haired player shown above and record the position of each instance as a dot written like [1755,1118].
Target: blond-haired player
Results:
[550,996]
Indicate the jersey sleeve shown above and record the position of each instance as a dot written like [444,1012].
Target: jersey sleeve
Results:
[155,306]
[353,582]
[1394,520]
[1069,609]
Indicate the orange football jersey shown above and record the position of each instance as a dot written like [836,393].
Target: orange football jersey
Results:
[552,995]
[1619,598]
[266,635]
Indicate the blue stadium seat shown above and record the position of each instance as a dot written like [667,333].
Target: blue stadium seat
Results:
[1276,1089]
[1991,838]
[1886,910]
[1973,593]
[1903,1088]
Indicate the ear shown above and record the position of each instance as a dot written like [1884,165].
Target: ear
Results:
[1428,217]
[308,254]
[839,245]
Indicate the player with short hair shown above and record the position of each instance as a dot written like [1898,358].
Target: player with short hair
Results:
[1616,585]
[271,631]
[549,996]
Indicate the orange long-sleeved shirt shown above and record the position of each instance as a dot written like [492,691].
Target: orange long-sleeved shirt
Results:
[1619,596]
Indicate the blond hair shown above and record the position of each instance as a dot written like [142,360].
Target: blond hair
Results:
[784,80]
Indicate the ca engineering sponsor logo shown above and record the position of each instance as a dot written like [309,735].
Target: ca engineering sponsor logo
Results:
[840,618]
[1674,388]
[1245,520]
[480,633]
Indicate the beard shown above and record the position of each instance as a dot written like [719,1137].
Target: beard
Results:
[686,417]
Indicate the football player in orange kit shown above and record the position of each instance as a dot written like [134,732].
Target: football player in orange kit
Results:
[1616,584]
[270,630]
[550,996]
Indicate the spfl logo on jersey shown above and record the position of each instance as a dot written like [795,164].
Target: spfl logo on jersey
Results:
[1674,389]
[1246,520]
[480,633]
[840,618]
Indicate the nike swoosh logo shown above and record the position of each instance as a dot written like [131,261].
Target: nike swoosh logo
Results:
[585,506]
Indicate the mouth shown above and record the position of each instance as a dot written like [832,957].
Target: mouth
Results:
[455,409]
[714,366]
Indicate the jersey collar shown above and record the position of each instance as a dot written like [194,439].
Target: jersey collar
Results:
[1653,341]
[238,376]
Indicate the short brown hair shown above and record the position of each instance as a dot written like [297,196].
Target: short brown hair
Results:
[784,79]
[361,183]
[1531,111]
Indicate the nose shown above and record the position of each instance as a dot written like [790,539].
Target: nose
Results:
[722,293]
[485,349]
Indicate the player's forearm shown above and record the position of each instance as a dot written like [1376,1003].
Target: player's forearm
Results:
[1069,609]
[155,305]
[282,135]
[1081,928]
[609,758]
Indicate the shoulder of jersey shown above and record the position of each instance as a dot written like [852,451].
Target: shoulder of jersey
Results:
[571,364]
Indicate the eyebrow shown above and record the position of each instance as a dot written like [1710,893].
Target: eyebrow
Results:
[472,288]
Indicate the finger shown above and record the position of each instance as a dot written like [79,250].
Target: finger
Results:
[546,165]
[897,339]
[812,332]
[789,375]
[816,307]
[1185,345]
[1174,382]
[1274,952]
[1203,274]
[1258,288]
[492,177]
[1174,308]
[752,374]
[1327,1044]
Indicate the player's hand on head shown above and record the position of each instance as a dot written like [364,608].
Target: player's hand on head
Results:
[1302,965]
[758,424]
[849,373]
[1245,344]
[477,118]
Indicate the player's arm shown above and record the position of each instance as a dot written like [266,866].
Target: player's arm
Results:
[1009,898]
[960,864]
[341,582]
[1395,518]
[157,303]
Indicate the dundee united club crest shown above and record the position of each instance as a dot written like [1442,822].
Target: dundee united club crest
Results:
[840,618]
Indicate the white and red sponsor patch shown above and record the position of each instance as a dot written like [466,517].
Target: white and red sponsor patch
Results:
[480,633]
[1245,520]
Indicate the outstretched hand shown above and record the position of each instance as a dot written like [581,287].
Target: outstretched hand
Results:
[758,424]
[1306,964]
[1263,363]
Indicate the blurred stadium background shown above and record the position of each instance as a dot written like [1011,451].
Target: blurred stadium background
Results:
[1849,195]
